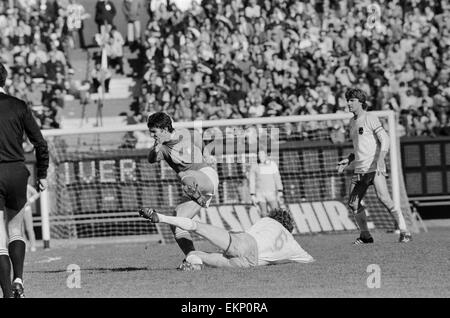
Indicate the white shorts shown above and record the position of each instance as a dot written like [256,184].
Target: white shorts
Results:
[243,250]
[207,181]
[266,196]
[213,176]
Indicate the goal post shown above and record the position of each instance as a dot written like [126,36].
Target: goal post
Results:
[99,177]
[394,154]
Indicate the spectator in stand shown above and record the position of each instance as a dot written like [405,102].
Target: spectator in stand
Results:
[114,50]
[76,14]
[34,46]
[99,77]
[53,66]
[51,8]
[105,11]
[208,49]
[131,9]
[79,90]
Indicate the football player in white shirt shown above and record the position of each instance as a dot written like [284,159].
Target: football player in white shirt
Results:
[371,144]
[265,183]
[269,241]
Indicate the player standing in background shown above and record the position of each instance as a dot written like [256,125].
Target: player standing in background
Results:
[184,155]
[265,183]
[15,120]
[269,241]
[371,144]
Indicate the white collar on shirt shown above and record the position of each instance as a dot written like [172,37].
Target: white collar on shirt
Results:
[2,90]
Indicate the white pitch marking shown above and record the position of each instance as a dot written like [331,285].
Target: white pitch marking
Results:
[49,259]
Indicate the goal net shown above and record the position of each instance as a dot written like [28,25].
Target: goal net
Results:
[99,177]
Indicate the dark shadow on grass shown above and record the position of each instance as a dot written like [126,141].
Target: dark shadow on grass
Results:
[106,270]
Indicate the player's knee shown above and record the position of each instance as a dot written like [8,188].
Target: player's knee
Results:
[15,231]
[199,181]
[3,243]
[16,237]
[360,209]
[194,258]
[353,206]
[386,200]
[188,180]
[182,212]
[180,233]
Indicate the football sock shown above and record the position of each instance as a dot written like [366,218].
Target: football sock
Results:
[183,239]
[399,219]
[361,221]
[17,254]
[5,276]
[186,245]
[181,222]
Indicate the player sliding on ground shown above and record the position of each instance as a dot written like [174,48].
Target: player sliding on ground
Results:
[183,153]
[371,144]
[269,241]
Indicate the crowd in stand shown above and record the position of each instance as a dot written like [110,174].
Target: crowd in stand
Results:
[36,39]
[33,47]
[238,59]
[248,58]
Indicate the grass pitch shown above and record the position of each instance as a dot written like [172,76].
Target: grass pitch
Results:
[420,268]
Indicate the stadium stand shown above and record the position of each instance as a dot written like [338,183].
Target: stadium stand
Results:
[238,58]
[261,58]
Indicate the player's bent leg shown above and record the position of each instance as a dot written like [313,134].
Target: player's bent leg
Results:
[361,219]
[200,186]
[5,263]
[357,191]
[216,235]
[243,252]
[211,259]
[16,249]
[186,209]
[383,195]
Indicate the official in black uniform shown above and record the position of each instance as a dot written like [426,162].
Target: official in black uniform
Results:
[15,120]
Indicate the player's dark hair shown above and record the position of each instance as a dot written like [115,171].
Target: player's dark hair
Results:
[358,94]
[284,217]
[160,120]
[3,75]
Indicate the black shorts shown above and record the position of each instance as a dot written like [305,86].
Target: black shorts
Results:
[13,185]
[360,183]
